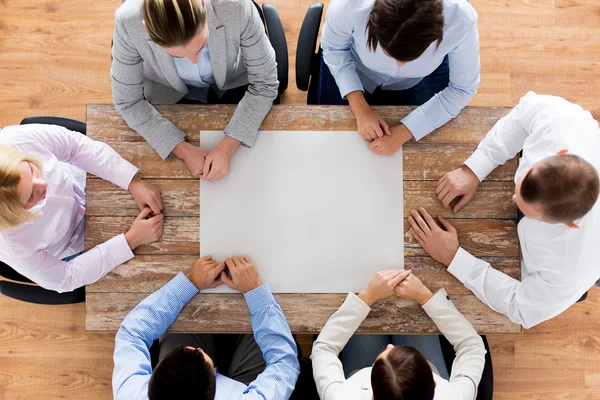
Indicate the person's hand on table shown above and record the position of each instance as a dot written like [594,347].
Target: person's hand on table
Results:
[369,124]
[193,157]
[382,285]
[216,165]
[244,276]
[389,145]
[461,182]
[411,288]
[145,194]
[206,273]
[146,228]
[441,244]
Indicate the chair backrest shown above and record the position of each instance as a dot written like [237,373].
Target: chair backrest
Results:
[485,391]
[307,61]
[70,124]
[278,41]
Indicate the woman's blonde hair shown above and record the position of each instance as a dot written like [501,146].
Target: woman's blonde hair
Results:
[173,22]
[12,212]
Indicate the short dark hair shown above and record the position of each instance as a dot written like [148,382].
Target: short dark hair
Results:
[183,374]
[565,185]
[405,28]
[403,374]
[173,22]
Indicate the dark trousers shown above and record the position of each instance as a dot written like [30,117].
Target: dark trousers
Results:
[236,356]
[329,93]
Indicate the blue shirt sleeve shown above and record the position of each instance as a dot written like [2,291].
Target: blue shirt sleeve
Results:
[273,336]
[144,324]
[336,41]
[464,68]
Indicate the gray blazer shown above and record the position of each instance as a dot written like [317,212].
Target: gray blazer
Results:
[143,72]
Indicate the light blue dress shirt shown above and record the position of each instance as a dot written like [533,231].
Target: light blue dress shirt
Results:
[197,77]
[355,67]
[151,318]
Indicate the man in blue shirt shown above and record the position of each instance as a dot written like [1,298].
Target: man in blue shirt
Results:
[399,52]
[189,366]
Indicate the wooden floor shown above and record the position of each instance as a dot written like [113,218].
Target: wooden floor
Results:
[55,58]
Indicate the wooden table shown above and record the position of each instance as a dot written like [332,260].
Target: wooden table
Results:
[487,225]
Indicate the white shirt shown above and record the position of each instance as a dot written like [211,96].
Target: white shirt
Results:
[328,371]
[197,77]
[355,67]
[35,249]
[558,263]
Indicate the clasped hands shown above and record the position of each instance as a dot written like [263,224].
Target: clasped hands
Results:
[238,272]
[208,165]
[401,283]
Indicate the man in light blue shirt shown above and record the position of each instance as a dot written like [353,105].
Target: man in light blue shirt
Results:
[399,52]
[189,372]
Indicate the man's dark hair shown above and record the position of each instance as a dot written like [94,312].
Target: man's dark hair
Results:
[405,28]
[564,185]
[183,374]
[403,375]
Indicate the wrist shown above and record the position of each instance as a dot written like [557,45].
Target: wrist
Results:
[366,297]
[181,149]
[449,259]
[357,103]
[134,181]
[403,133]
[129,237]
[229,145]
[424,296]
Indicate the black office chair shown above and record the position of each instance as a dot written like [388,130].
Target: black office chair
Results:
[21,288]
[308,55]
[276,34]
[485,391]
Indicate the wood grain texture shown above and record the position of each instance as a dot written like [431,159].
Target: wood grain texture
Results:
[181,198]
[148,273]
[396,316]
[480,237]
[55,58]
[469,127]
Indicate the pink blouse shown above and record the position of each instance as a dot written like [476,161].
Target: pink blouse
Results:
[35,249]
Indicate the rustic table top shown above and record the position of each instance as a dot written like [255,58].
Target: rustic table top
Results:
[487,225]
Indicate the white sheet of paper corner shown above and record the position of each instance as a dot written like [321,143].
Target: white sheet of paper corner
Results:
[317,212]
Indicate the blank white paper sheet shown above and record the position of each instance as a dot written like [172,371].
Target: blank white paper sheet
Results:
[317,212]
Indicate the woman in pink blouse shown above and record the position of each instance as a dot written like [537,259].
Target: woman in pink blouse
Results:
[42,206]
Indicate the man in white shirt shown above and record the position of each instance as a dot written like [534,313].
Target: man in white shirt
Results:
[556,190]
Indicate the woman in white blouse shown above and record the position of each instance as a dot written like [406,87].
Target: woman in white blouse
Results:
[396,372]
[42,206]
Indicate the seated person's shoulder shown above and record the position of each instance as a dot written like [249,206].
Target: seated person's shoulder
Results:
[130,10]
[460,12]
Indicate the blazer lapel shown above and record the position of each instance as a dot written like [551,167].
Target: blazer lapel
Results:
[165,62]
[217,45]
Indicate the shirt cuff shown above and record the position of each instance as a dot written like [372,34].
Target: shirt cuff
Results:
[239,140]
[433,303]
[461,264]
[355,302]
[119,249]
[183,287]
[259,298]
[124,173]
[418,124]
[480,164]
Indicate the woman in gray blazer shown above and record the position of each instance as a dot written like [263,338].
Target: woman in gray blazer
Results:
[208,51]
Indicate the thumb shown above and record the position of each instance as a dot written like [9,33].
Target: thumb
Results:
[225,279]
[447,225]
[144,214]
[461,203]
[401,276]
[386,127]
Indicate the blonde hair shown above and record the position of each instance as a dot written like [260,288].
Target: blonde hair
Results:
[173,22]
[12,212]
